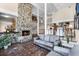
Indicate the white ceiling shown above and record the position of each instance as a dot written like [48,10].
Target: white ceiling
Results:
[11,8]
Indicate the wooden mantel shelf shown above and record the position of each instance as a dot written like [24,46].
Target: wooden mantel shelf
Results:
[8,32]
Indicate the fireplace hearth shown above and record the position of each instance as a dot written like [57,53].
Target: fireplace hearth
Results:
[25,36]
[25,32]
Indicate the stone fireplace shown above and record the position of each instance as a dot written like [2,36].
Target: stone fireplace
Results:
[24,21]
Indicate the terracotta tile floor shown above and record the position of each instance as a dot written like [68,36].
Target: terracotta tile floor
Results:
[24,49]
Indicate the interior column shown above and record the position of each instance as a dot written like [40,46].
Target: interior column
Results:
[37,21]
[45,19]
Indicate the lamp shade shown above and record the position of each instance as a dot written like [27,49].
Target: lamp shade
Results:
[70,26]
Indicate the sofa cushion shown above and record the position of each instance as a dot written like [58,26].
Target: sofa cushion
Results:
[44,43]
[56,37]
[47,38]
[41,37]
[53,38]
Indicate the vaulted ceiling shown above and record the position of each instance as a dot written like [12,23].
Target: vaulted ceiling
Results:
[51,7]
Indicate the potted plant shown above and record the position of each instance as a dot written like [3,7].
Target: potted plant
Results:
[5,41]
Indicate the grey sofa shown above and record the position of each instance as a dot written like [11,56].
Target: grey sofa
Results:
[47,41]
[51,42]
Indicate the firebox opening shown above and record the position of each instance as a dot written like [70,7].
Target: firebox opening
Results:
[25,32]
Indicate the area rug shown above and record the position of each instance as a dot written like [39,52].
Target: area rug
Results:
[24,49]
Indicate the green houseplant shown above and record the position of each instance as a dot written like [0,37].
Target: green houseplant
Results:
[5,40]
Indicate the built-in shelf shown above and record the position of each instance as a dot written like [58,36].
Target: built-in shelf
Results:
[8,32]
